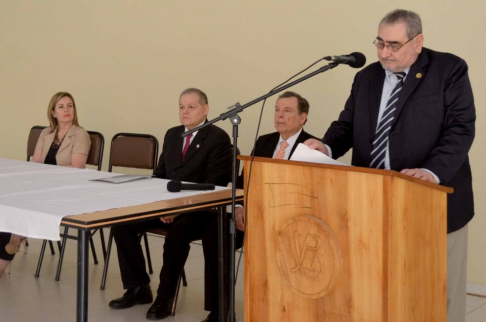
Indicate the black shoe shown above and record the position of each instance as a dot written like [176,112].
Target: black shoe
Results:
[135,295]
[212,317]
[160,309]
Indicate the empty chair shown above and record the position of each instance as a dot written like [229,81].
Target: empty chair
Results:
[130,150]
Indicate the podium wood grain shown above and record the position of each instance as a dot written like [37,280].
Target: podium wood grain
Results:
[330,243]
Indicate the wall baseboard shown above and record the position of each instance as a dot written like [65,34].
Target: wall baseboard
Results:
[476,289]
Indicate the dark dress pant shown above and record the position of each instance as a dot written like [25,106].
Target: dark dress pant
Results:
[210,248]
[4,240]
[181,232]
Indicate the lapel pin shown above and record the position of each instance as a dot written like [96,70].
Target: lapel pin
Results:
[197,146]
[419,75]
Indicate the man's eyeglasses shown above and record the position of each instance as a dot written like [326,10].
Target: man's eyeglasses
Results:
[393,47]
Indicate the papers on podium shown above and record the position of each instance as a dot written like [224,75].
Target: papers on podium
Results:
[306,154]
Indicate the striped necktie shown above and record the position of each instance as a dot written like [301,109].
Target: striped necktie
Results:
[281,152]
[380,142]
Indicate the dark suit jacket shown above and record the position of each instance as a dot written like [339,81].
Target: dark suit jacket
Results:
[433,128]
[208,159]
[266,144]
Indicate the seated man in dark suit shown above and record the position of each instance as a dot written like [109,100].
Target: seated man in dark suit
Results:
[204,157]
[291,112]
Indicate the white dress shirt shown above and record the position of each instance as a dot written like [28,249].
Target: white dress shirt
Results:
[291,141]
[192,138]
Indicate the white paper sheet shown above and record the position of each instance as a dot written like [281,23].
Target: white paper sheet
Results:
[121,178]
[306,154]
[35,197]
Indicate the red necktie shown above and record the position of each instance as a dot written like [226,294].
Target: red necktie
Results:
[186,146]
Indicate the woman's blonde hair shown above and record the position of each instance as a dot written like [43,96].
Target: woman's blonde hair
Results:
[52,105]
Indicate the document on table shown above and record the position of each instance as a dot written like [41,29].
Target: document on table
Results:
[306,154]
[121,178]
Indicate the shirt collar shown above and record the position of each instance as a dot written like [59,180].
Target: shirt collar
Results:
[390,75]
[291,140]
[194,133]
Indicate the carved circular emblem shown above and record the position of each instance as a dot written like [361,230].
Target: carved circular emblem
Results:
[309,256]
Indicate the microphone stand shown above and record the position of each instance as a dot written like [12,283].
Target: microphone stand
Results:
[236,120]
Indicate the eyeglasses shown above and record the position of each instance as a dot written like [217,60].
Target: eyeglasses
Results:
[393,47]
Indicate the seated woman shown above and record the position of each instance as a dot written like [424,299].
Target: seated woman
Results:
[64,143]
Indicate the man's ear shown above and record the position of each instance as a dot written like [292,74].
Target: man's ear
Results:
[419,43]
[303,118]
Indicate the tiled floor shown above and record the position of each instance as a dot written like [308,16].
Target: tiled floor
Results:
[27,299]
[476,309]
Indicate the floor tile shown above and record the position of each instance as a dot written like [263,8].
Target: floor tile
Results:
[48,300]
[26,298]
[478,315]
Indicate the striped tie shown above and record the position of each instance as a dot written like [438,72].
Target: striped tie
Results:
[380,142]
[281,152]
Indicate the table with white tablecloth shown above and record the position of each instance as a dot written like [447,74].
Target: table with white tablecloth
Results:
[36,198]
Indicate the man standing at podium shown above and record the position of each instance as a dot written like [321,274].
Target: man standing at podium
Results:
[413,112]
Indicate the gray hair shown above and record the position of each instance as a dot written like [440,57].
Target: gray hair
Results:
[203,98]
[411,19]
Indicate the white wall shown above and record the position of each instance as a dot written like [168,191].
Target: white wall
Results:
[126,62]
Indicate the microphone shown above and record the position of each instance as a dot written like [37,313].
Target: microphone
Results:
[355,60]
[176,186]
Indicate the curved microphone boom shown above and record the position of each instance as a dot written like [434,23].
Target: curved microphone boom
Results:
[355,60]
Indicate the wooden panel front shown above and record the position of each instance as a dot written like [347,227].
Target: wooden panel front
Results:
[418,253]
[315,244]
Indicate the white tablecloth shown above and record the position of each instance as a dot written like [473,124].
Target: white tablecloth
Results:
[35,197]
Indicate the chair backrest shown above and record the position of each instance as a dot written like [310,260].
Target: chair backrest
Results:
[34,134]
[95,156]
[131,150]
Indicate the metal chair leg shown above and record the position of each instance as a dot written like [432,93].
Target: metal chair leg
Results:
[176,296]
[93,250]
[103,245]
[147,252]
[184,280]
[61,254]
[41,257]
[107,260]
[53,252]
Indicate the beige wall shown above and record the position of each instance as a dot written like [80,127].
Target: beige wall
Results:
[126,62]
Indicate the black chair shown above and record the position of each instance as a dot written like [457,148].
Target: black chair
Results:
[34,134]
[130,150]
[95,158]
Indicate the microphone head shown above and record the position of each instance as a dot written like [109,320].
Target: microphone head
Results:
[359,60]
[174,186]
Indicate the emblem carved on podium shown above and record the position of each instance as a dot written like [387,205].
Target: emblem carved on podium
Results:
[309,256]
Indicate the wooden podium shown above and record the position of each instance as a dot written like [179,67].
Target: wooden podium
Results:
[335,243]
